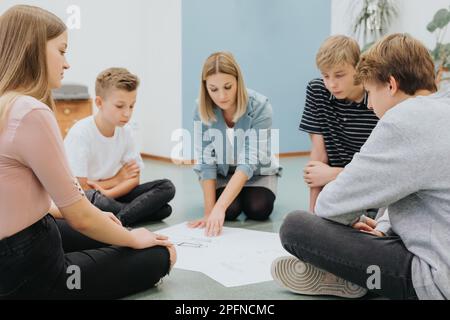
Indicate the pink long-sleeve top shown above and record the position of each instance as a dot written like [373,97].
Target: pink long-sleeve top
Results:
[33,167]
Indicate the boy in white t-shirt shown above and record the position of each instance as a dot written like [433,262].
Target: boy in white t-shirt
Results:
[104,157]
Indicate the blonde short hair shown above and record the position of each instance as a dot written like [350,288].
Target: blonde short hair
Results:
[115,78]
[404,58]
[221,62]
[337,50]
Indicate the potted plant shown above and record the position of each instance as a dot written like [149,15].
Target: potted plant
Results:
[441,52]
[373,20]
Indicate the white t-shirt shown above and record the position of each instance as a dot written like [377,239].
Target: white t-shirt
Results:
[92,155]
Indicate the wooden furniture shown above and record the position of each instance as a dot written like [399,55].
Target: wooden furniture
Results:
[68,112]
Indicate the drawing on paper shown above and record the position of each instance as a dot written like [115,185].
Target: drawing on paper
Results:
[191,242]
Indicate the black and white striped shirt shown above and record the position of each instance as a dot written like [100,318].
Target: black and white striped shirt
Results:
[345,126]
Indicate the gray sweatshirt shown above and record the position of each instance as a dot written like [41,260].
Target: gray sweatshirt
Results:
[404,166]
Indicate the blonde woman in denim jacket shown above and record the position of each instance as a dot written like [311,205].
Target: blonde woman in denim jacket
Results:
[233,147]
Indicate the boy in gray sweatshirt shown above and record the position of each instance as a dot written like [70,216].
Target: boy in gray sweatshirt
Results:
[403,166]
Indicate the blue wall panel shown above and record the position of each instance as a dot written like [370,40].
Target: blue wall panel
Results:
[274,41]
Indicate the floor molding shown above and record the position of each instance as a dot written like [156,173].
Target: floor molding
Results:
[294,154]
[181,162]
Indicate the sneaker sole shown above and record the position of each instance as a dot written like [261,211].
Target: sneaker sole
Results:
[303,278]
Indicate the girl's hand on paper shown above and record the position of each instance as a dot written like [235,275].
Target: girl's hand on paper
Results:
[214,222]
[200,223]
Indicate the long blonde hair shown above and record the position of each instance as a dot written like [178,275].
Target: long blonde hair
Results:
[221,62]
[24,33]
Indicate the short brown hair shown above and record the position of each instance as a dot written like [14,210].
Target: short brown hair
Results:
[117,78]
[404,58]
[337,50]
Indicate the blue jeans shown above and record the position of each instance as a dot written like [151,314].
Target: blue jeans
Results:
[33,265]
[348,253]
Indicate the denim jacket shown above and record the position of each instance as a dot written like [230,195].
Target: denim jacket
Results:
[251,158]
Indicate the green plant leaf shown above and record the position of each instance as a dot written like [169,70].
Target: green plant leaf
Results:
[445,52]
[441,18]
[431,27]
[435,55]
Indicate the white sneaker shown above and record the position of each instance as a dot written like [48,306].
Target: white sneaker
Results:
[303,278]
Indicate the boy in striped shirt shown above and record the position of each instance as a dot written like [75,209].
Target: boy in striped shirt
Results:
[336,114]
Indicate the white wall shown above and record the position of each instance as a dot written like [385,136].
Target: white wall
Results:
[414,16]
[141,35]
[162,113]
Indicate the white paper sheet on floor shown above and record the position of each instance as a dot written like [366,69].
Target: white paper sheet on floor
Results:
[238,257]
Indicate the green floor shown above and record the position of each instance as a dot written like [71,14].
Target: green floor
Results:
[187,205]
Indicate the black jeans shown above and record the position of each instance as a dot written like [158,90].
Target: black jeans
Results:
[33,265]
[348,253]
[146,202]
[255,202]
